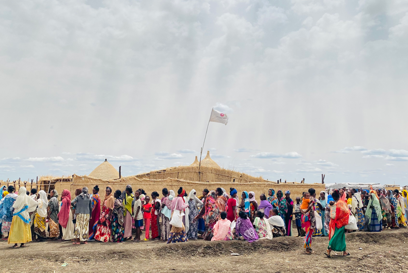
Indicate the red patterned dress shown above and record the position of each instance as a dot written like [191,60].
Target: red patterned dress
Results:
[155,221]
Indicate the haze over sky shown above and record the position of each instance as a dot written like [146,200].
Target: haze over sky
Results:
[309,86]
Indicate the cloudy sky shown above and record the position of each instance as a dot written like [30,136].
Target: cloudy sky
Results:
[310,87]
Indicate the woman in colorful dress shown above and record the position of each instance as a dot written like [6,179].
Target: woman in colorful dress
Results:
[178,205]
[103,226]
[41,216]
[253,207]
[245,204]
[165,215]
[20,230]
[221,200]
[156,203]
[53,209]
[222,229]
[193,212]
[96,212]
[117,219]
[210,213]
[244,229]
[262,226]
[272,198]
[357,208]
[394,215]
[7,211]
[282,207]
[385,210]
[3,193]
[400,209]
[308,218]
[65,217]
[374,213]
[83,210]
[339,217]
[265,206]
[127,207]
[321,211]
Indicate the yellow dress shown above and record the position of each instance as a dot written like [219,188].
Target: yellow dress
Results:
[20,232]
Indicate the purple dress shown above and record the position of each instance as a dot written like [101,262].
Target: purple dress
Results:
[245,228]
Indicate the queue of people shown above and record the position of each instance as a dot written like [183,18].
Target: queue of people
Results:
[214,215]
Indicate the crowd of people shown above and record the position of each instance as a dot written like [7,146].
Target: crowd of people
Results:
[214,215]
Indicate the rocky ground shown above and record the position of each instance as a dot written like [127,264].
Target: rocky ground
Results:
[370,252]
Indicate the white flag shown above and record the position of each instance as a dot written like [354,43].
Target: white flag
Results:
[219,117]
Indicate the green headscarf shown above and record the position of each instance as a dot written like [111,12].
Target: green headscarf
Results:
[376,204]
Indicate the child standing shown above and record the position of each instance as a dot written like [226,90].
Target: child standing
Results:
[298,216]
[138,214]
[147,216]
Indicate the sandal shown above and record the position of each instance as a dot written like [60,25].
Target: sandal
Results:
[346,254]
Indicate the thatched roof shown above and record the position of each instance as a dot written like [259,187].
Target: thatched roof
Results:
[105,171]
[195,163]
[208,162]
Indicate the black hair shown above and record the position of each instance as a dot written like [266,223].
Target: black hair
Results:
[109,188]
[275,211]
[243,215]
[223,215]
[312,191]
[206,191]
[117,194]
[129,189]
[260,214]
[336,195]
[396,191]
[96,188]
[155,194]
[33,191]
[180,190]
[219,191]
[27,192]
[165,191]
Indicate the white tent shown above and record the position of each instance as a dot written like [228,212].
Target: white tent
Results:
[350,185]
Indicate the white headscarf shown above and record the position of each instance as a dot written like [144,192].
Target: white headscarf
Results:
[191,195]
[172,195]
[22,201]
[42,204]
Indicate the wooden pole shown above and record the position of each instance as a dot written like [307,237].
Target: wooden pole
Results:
[201,152]
[36,183]
[120,172]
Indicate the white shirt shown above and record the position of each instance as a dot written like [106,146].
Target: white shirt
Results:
[138,204]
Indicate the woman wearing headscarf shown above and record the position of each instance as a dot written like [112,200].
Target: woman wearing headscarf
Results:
[20,231]
[282,205]
[1,209]
[357,208]
[7,210]
[244,229]
[339,215]
[232,206]
[253,207]
[221,200]
[262,226]
[210,212]
[103,226]
[394,207]
[53,209]
[405,200]
[65,217]
[96,211]
[83,210]
[41,216]
[245,204]
[272,198]
[117,218]
[127,207]
[265,207]
[288,213]
[193,200]
[374,214]
[178,205]
[165,214]
[320,209]
[400,208]
[385,209]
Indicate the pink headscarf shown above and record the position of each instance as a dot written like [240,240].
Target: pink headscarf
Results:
[63,215]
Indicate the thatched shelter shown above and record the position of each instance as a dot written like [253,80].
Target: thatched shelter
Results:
[105,171]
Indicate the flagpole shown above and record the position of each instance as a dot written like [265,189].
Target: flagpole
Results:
[201,153]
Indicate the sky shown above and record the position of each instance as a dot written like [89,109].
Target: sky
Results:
[310,87]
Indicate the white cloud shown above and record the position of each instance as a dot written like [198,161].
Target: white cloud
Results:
[165,156]
[222,108]
[326,163]
[187,151]
[274,155]
[45,159]
[347,150]
[95,157]
[375,152]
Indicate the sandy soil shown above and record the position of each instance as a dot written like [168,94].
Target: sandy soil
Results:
[380,252]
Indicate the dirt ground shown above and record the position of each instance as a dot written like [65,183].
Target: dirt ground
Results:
[386,251]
